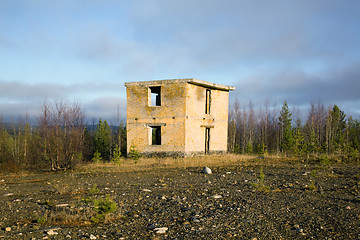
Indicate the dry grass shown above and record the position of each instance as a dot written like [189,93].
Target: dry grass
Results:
[145,164]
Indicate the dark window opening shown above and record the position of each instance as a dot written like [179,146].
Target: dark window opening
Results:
[208,101]
[207,140]
[156,135]
[155,96]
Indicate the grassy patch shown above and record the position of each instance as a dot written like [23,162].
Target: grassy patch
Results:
[146,164]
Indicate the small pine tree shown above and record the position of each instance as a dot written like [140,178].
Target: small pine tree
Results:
[261,149]
[102,139]
[249,148]
[287,140]
[103,207]
[298,139]
[97,157]
[116,157]
[134,153]
[237,149]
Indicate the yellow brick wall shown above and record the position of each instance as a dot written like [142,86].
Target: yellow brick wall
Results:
[171,113]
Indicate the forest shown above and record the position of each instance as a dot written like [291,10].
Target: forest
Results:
[61,138]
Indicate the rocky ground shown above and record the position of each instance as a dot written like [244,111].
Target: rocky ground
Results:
[290,200]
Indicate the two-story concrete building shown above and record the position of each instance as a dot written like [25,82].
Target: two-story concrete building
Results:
[178,117]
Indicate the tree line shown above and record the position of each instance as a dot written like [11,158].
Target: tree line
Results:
[61,139]
[326,130]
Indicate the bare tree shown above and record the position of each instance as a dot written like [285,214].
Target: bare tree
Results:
[61,126]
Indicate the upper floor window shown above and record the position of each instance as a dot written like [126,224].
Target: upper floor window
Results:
[155,96]
[207,101]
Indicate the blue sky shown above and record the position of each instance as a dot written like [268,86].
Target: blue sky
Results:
[302,51]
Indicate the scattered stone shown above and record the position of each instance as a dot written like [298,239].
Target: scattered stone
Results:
[206,170]
[62,205]
[161,230]
[216,196]
[195,220]
[192,201]
[8,194]
[52,232]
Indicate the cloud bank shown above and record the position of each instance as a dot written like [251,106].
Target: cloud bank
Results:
[301,51]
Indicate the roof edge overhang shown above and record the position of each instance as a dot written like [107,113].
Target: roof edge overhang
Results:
[184,80]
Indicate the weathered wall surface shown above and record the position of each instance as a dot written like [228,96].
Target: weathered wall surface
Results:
[195,108]
[170,115]
[197,121]
[219,112]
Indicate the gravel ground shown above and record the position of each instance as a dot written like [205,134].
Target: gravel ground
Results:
[292,200]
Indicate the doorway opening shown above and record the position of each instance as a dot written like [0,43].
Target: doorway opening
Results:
[207,140]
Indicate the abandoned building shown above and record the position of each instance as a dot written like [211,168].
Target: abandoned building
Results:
[177,117]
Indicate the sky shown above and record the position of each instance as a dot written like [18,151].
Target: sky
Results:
[301,51]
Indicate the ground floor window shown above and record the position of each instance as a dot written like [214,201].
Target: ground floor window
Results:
[155,133]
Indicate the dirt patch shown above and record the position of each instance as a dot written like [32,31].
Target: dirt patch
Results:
[289,200]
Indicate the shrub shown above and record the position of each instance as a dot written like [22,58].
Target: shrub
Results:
[41,220]
[134,153]
[261,184]
[94,189]
[97,157]
[324,160]
[312,186]
[116,158]
[103,207]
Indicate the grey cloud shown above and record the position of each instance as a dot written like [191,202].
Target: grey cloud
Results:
[106,108]
[343,84]
[335,86]
[11,112]
[215,33]
[19,90]
[18,99]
